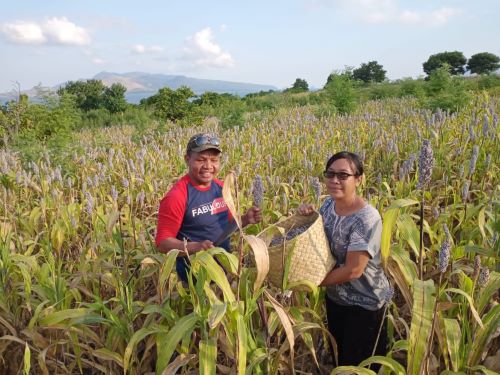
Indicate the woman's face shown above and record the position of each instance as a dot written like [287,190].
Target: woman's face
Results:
[339,188]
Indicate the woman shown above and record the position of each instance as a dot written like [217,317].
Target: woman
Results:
[357,286]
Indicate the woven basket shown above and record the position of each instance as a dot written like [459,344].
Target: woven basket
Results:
[308,254]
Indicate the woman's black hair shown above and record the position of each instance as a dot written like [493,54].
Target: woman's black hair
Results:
[351,157]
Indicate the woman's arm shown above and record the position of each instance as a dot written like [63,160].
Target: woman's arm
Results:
[353,268]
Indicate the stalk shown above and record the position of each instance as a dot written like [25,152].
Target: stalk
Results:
[421,254]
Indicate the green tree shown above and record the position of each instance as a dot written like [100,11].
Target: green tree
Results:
[347,72]
[455,60]
[340,92]
[369,72]
[445,91]
[114,98]
[171,104]
[483,63]
[300,85]
[88,94]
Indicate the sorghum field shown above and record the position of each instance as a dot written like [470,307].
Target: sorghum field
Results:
[83,290]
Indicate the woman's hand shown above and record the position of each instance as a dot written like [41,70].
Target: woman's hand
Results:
[306,209]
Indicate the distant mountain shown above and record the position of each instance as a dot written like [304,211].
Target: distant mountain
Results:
[142,85]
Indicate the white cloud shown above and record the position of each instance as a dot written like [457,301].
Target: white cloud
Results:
[63,31]
[202,51]
[98,61]
[442,16]
[388,11]
[23,32]
[409,17]
[60,31]
[142,49]
[139,48]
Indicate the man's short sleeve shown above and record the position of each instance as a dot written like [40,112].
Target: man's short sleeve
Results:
[170,214]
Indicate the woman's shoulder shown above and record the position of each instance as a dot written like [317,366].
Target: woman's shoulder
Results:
[371,211]
[326,204]
[368,215]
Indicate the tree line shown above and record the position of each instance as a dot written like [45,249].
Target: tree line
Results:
[92,104]
[455,61]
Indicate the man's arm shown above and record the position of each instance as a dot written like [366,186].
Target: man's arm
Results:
[191,247]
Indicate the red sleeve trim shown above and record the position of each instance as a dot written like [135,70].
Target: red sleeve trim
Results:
[171,211]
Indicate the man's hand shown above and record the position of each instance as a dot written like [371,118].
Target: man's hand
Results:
[194,247]
[191,247]
[252,216]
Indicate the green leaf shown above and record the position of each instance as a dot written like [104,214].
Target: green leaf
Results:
[166,344]
[484,370]
[215,272]
[216,314]
[481,221]
[388,220]
[342,370]
[242,340]
[108,355]
[387,362]
[453,336]
[488,291]
[286,322]
[136,337]
[471,303]
[258,356]
[409,231]
[180,361]
[424,300]
[57,317]
[404,272]
[491,322]
[166,269]
[27,360]
[208,356]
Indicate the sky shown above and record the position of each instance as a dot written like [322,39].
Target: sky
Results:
[265,42]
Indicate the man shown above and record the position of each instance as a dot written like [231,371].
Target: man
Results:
[193,214]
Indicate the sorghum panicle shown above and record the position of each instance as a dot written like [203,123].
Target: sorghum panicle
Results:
[444,253]
[258,191]
[316,185]
[465,191]
[484,276]
[473,159]
[425,164]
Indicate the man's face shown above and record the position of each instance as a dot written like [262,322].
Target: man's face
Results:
[203,166]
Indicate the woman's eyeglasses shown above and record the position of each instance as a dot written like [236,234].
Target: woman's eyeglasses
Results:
[340,175]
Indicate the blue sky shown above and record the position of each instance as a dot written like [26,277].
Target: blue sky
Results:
[267,42]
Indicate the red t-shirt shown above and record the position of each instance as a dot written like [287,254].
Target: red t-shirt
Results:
[192,212]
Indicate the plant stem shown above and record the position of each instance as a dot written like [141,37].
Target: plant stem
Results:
[421,255]
[431,338]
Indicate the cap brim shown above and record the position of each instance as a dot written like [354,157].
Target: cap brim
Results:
[206,147]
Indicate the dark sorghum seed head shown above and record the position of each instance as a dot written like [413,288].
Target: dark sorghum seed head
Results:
[444,253]
[484,276]
[425,164]
[258,191]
